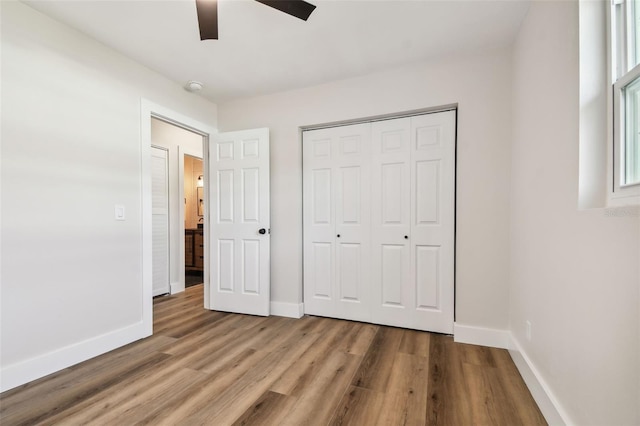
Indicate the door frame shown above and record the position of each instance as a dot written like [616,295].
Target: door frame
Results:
[149,110]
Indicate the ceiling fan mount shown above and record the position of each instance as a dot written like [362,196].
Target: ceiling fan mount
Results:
[207,11]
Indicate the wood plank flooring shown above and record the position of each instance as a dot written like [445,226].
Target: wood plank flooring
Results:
[212,368]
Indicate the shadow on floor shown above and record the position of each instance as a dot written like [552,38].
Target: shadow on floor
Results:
[192,278]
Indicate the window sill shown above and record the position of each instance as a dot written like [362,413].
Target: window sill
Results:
[623,200]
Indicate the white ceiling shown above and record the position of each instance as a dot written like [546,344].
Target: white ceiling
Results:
[261,50]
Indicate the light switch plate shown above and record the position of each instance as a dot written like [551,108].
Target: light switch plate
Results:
[119,212]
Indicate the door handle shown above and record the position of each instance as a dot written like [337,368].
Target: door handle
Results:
[406,237]
[262,231]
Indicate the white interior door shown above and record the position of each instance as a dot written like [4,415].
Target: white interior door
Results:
[160,220]
[337,222]
[240,222]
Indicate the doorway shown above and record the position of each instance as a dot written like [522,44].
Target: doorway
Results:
[151,115]
[247,155]
[194,190]
[185,207]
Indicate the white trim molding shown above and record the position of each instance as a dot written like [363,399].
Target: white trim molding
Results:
[289,310]
[549,405]
[176,287]
[492,337]
[23,372]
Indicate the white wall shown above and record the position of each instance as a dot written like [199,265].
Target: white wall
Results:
[480,84]
[178,142]
[70,152]
[574,274]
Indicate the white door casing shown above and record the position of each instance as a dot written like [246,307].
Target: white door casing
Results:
[239,210]
[160,220]
[337,221]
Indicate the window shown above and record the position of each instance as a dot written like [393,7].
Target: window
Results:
[625,37]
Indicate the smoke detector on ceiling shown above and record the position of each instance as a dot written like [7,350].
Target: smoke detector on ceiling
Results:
[194,86]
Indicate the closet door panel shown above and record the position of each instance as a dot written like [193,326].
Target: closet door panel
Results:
[350,193]
[393,270]
[427,279]
[427,192]
[351,237]
[320,198]
[319,222]
[321,270]
[432,219]
[393,185]
[336,221]
[349,271]
[391,220]
[352,231]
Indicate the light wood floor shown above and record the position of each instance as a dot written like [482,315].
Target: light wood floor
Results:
[212,368]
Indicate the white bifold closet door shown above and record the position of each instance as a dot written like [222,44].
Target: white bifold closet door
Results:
[379,221]
[412,256]
[337,222]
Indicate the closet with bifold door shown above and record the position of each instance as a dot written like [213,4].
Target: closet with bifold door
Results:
[379,218]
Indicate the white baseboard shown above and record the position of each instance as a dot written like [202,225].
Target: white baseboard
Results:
[23,372]
[176,287]
[290,310]
[549,405]
[481,336]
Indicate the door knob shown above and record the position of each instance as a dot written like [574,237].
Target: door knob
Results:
[338,235]
[406,237]
[262,231]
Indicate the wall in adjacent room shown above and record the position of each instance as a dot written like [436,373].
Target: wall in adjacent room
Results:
[480,84]
[71,278]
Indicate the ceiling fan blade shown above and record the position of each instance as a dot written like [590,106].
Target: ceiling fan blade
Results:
[207,19]
[298,8]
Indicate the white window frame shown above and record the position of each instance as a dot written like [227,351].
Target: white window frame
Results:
[622,51]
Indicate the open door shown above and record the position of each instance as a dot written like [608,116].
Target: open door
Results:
[240,222]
